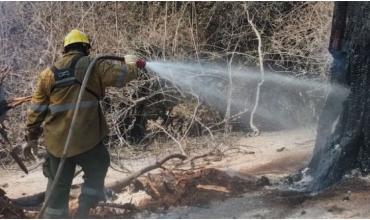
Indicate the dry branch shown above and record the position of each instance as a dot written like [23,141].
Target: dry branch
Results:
[117,186]
[10,149]
[213,188]
[14,102]
[256,131]
[172,137]
[127,206]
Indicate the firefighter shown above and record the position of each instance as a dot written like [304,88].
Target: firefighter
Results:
[50,114]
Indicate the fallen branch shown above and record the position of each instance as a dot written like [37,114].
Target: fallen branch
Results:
[221,189]
[117,186]
[127,206]
[152,191]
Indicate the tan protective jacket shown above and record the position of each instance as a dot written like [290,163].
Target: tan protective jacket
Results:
[53,106]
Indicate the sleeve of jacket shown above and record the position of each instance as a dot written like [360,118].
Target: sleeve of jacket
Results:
[39,106]
[114,75]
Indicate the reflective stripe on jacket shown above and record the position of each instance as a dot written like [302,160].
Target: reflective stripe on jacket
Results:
[53,108]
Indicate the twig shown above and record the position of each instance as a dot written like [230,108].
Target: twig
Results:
[231,117]
[207,128]
[172,137]
[192,119]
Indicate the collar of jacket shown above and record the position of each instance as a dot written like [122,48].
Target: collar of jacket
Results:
[72,52]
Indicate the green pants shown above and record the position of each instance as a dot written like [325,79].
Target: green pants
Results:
[94,164]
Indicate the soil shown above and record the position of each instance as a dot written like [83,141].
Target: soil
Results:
[242,182]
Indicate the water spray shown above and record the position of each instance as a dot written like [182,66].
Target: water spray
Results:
[285,101]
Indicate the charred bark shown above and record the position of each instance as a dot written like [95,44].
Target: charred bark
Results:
[334,103]
[348,146]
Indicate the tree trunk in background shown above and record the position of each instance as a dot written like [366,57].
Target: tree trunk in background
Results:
[348,146]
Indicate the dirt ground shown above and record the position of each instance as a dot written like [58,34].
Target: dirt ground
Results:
[230,187]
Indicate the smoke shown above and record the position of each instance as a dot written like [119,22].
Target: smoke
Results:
[285,102]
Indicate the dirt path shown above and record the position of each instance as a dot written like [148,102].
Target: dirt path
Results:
[277,153]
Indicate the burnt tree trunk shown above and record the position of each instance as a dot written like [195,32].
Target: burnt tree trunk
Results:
[348,145]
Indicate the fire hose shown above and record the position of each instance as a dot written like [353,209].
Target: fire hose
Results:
[140,64]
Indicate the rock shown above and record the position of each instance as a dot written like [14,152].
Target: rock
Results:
[303,212]
[335,209]
[281,149]
[347,197]
[5,185]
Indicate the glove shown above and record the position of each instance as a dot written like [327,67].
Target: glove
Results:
[30,149]
[136,61]
[140,63]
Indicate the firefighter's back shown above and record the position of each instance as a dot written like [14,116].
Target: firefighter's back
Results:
[64,87]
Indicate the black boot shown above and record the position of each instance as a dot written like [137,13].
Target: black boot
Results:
[82,212]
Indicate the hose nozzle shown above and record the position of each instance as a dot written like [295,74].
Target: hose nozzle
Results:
[140,63]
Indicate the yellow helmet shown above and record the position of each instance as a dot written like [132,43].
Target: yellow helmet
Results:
[76,36]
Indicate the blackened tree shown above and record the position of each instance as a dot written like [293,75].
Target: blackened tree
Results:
[343,143]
